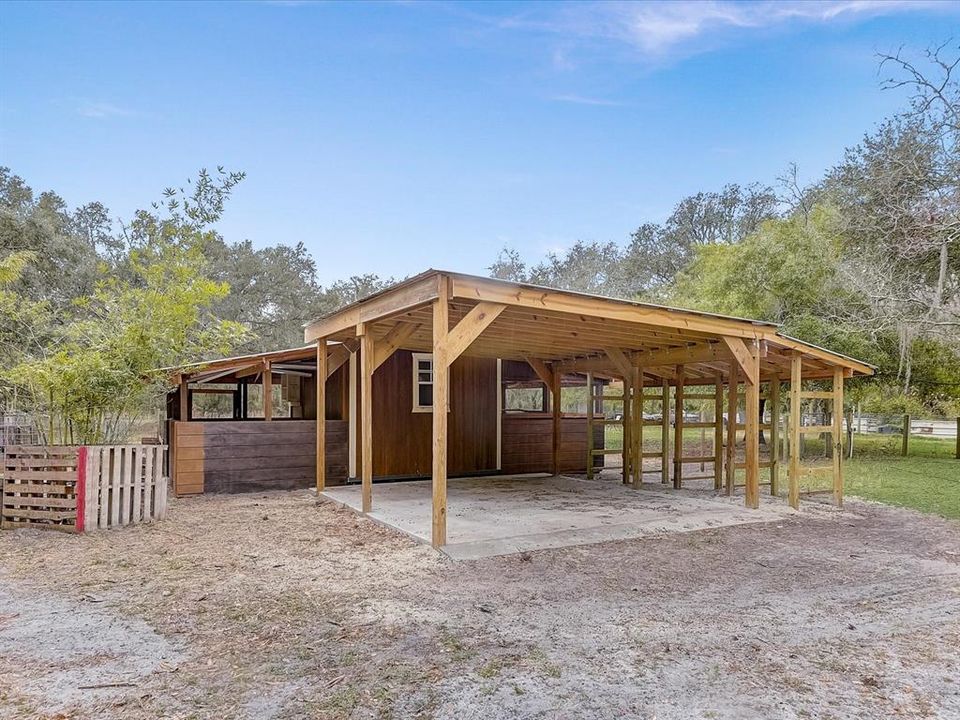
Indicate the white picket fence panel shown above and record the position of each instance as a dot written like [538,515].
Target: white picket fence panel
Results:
[124,485]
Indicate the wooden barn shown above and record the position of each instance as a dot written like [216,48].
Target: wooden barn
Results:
[521,371]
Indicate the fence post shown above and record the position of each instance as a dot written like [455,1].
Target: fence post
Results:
[958,438]
[906,434]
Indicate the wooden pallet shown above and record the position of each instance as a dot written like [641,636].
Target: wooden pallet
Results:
[39,488]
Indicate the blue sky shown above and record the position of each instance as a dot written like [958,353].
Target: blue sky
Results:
[394,137]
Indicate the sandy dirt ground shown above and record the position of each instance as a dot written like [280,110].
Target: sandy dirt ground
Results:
[281,606]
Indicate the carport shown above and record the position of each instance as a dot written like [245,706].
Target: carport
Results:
[655,353]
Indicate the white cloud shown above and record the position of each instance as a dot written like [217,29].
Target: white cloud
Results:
[660,28]
[92,109]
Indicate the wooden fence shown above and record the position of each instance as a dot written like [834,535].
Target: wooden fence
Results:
[77,489]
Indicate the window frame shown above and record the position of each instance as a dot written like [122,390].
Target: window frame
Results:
[417,382]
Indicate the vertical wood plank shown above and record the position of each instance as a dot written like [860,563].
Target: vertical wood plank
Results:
[590,405]
[838,436]
[774,402]
[321,414]
[796,380]
[184,399]
[92,499]
[160,492]
[678,430]
[150,475]
[441,399]
[733,401]
[126,484]
[752,432]
[106,472]
[366,418]
[267,390]
[116,479]
[138,472]
[718,434]
[665,432]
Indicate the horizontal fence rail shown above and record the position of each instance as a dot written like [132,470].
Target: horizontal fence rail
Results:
[77,489]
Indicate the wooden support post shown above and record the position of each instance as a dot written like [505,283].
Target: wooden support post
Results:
[678,430]
[590,404]
[627,444]
[838,436]
[367,360]
[637,435]
[906,435]
[773,400]
[267,391]
[555,409]
[665,433]
[733,401]
[752,431]
[795,385]
[718,434]
[184,397]
[441,399]
[321,414]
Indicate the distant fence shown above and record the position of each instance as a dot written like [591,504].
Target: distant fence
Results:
[77,489]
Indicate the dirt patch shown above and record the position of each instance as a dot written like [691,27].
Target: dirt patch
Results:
[279,606]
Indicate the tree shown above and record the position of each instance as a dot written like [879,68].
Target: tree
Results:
[98,366]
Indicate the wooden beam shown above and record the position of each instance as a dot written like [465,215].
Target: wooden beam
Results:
[470,327]
[414,293]
[744,358]
[392,341]
[637,423]
[321,381]
[547,299]
[620,361]
[555,408]
[774,402]
[752,431]
[542,370]
[590,406]
[183,394]
[796,378]
[718,433]
[665,433]
[441,398]
[678,430]
[703,352]
[338,356]
[627,443]
[367,355]
[267,391]
[838,436]
[733,402]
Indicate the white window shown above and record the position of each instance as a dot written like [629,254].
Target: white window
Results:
[422,382]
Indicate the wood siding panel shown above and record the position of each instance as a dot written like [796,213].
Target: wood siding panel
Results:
[528,443]
[254,455]
[402,438]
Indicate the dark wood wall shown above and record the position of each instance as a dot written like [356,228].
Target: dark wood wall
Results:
[528,443]
[402,438]
[252,455]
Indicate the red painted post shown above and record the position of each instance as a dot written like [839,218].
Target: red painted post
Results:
[81,490]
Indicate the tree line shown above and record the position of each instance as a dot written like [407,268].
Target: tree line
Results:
[865,261]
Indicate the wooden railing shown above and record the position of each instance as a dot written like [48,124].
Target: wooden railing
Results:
[77,489]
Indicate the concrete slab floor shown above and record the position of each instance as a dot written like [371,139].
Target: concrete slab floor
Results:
[501,515]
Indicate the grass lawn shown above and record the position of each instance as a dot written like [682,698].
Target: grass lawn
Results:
[927,480]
